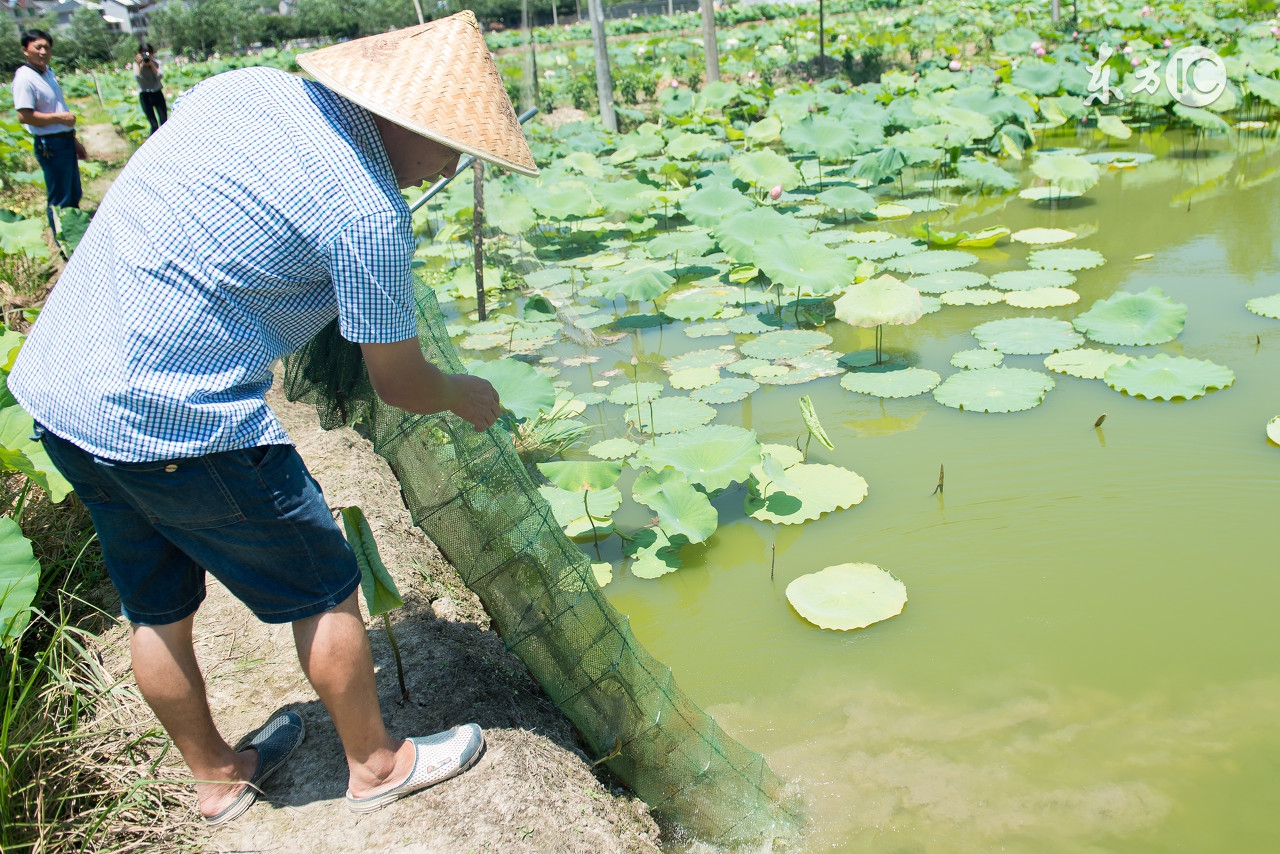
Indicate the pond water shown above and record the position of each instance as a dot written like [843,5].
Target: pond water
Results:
[1087,659]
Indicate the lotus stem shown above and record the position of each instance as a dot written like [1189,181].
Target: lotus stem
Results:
[395,648]
[590,521]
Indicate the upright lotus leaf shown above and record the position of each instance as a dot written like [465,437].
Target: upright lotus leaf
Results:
[1027,336]
[19,580]
[1133,319]
[906,382]
[848,596]
[846,198]
[579,475]
[1026,280]
[810,416]
[1087,363]
[803,264]
[1038,77]
[565,199]
[785,344]
[681,509]
[520,387]
[812,491]
[1201,118]
[646,282]
[932,261]
[380,593]
[739,235]
[718,94]
[1265,306]
[1114,126]
[510,213]
[881,165]
[878,301]
[653,553]
[764,131]
[765,169]
[24,237]
[627,196]
[570,506]
[30,458]
[994,390]
[1066,260]
[583,162]
[986,174]
[670,415]
[712,205]
[942,136]
[822,136]
[1164,377]
[1068,173]
[675,102]
[679,243]
[713,457]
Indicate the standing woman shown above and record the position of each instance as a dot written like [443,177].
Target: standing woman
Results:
[150,93]
[42,109]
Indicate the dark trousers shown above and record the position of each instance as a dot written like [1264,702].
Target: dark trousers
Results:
[57,156]
[153,103]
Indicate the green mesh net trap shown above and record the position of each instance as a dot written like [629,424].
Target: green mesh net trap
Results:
[472,495]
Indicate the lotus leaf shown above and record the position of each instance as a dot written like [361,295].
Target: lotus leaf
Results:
[1066,172]
[1114,126]
[764,131]
[924,204]
[820,135]
[984,239]
[879,301]
[785,344]
[1133,319]
[848,596]
[1087,363]
[683,146]
[710,206]
[1043,236]
[765,169]
[747,324]
[565,199]
[1201,118]
[681,509]
[986,174]
[979,358]
[687,243]
[803,264]
[868,236]
[692,305]
[629,394]
[802,369]
[1038,77]
[1066,260]
[906,382]
[699,359]
[994,390]
[603,572]
[1164,377]
[1265,306]
[1046,194]
[728,390]
[748,366]
[882,164]
[675,102]
[784,455]
[815,490]
[846,198]
[24,237]
[884,248]
[19,579]
[973,296]
[654,553]
[1273,429]
[930,304]
[613,449]
[645,282]
[694,378]
[932,261]
[520,388]
[1042,298]
[1025,280]
[739,235]
[670,415]
[1026,336]
[568,506]
[29,456]
[889,210]
[712,457]
[953,280]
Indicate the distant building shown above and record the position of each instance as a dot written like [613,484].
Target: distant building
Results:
[23,13]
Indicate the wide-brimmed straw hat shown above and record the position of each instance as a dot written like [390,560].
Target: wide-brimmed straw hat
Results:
[436,79]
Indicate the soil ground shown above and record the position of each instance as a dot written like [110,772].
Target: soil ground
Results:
[533,790]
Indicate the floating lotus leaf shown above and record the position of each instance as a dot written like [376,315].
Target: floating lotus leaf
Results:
[973,296]
[1043,236]
[699,359]
[978,358]
[1026,336]
[682,510]
[613,449]
[1042,298]
[568,506]
[1025,280]
[785,344]
[994,390]
[867,236]
[878,301]
[1067,260]
[739,235]
[629,394]
[986,174]
[846,198]
[1087,363]
[710,206]
[953,280]
[813,491]
[653,553]
[646,282]
[1273,429]
[801,369]
[1046,194]
[848,596]
[710,329]
[579,475]
[1066,172]
[520,388]
[889,210]
[1265,306]
[907,382]
[984,239]
[803,263]
[695,378]
[669,415]
[1164,377]
[693,306]
[1133,319]
[884,248]
[765,169]
[930,304]
[747,366]
[747,324]
[728,390]
[932,261]
[712,457]
[924,204]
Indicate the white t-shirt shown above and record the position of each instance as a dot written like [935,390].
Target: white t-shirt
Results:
[41,93]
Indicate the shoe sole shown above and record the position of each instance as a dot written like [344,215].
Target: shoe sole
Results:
[377,802]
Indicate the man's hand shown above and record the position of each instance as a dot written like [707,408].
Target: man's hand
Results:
[81,154]
[405,380]
[473,399]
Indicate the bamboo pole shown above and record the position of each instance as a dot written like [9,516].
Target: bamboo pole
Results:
[477,234]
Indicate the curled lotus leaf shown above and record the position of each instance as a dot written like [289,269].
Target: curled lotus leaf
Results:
[973,296]
[994,390]
[932,261]
[820,135]
[1042,298]
[812,490]
[848,596]
[633,393]
[1067,260]
[978,358]
[603,572]
[952,280]
[699,359]
[681,509]
[727,390]
[784,455]
[1042,236]
[1114,126]
[1273,429]
[907,382]
[984,239]
[669,415]
[1165,377]
[1201,118]
[878,301]
[1127,318]
[1027,336]
[693,378]
[1025,280]
[1087,363]
[637,284]
[1066,172]
[785,344]
[1265,306]
[712,457]
[613,449]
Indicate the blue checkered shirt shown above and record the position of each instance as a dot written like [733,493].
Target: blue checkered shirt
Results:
[263,209]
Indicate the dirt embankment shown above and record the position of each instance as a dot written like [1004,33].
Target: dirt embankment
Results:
[532,791]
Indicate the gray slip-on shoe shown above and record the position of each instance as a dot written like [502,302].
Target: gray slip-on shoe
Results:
[437,758]
[275,743]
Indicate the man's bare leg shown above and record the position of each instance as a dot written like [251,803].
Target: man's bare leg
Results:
[333,648]
[164,663]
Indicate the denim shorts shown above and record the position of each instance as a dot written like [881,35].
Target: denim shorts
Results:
[254,518]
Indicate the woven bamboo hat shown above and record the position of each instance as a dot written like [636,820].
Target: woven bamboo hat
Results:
[436,79]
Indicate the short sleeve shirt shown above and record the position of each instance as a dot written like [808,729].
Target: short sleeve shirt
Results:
[262,210]
[39,92]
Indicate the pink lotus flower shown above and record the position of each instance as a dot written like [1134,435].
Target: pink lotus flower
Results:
[751,75]
[1128,49]
[1168,42]
[1037,45]
[1075,35]
[954,65]
[1039,51]
[1135,62]
[675,84]
[1146,11]
[776,192]
[1275,31]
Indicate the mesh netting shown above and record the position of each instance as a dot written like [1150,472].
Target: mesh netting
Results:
[471,494]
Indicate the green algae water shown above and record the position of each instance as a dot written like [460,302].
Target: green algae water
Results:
[1087,661]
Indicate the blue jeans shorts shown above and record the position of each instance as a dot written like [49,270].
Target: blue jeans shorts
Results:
[254,518]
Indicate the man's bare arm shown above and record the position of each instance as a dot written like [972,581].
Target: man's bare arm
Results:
[38,120]
[405,380]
